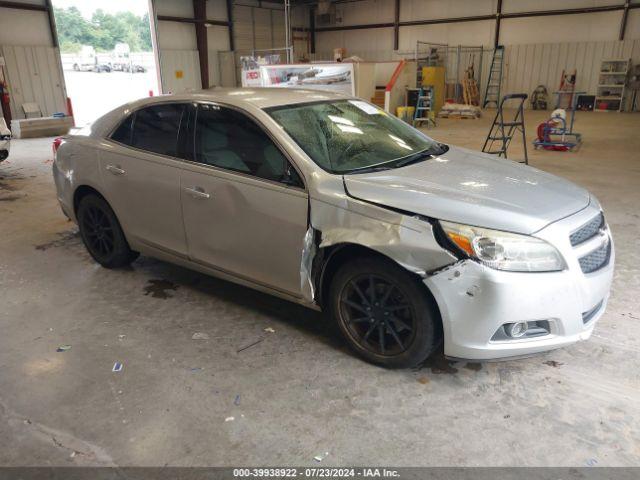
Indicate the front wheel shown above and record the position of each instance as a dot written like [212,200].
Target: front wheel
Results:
[384,313]
[101,233]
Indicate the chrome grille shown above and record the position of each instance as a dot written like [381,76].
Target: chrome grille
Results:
[588,230]
[596,259]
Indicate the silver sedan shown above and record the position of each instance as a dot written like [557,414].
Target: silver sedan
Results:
[330,202]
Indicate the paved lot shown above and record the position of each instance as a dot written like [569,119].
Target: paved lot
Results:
[297,392]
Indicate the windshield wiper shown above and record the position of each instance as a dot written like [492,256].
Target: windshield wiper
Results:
[438,149]
[374,168]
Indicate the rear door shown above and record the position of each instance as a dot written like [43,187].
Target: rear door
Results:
[141,174]
[245,206]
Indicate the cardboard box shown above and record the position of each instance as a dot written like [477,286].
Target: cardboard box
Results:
[339,53]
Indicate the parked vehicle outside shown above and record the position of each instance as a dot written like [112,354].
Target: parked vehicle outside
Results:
[328,201]
[5,140]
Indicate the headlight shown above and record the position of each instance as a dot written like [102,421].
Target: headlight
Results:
[504,250]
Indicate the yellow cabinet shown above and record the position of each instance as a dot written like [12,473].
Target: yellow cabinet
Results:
[434,77]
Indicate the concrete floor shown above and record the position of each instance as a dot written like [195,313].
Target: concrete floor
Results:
[298,392]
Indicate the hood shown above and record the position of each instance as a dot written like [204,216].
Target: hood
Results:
[475,189]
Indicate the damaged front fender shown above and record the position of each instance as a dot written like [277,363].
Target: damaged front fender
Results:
[408,240]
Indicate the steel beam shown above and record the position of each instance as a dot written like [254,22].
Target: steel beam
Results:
[169,18]
[230,24]
[396,26]
[496,38]
[23,6]
[312,30]
[200,16]
[623,21]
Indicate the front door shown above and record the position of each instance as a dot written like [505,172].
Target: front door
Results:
[244,205]
[141,175]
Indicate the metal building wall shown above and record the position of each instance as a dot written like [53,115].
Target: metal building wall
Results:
[34,75]
[527,66]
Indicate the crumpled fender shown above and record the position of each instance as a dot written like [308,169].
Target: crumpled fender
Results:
[408,240]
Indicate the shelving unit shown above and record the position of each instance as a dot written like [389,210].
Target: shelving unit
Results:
[612,85]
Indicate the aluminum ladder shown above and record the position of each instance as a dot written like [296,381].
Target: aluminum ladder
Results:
[503,132]
[492,92]
[424,107]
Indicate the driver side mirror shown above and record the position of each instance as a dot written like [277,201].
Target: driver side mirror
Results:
[290,176]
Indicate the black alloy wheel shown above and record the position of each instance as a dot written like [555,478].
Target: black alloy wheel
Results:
[387,316]
[378,314]
[98,231]
[102,234]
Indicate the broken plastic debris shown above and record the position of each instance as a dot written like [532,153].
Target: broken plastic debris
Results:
[195,369]
[200,336]
[63,348]
[229,419]
[121,337]
[236,401]
[117,367]
[269,330]
[319,458]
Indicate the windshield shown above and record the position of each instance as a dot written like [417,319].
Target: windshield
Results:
[351,136]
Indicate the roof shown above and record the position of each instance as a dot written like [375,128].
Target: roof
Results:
[241,97]
[267,97]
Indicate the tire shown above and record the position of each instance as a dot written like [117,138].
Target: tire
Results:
[101,233]
[399,305]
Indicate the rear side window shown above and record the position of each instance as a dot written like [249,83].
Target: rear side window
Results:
[124,131]
[156,128]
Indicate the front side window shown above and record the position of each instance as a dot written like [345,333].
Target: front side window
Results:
[156,128]
[348,136]
[228,139]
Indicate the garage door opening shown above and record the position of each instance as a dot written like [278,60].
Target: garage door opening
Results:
[106,52]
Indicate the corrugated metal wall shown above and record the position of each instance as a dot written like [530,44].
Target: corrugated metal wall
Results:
[527,66]
[34,75]
[180,70]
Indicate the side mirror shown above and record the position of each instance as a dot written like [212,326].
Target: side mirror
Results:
[291,177]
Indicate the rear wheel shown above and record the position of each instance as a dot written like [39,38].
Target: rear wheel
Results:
[101,233]
[384,313]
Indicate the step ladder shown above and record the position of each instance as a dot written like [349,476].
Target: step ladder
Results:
[424,107]
[502,132]
[492,92]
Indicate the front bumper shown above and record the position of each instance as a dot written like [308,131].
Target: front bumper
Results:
[475,301]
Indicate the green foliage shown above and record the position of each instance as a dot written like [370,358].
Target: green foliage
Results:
[103,31]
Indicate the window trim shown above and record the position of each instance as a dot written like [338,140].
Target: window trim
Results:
[192,132]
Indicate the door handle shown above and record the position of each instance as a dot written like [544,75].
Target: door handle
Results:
[197,192]
[115,170]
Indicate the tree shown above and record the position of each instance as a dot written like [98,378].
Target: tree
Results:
[103,31]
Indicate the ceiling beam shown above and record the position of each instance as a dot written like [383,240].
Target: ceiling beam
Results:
[169,18]
[23,6]
[478,18]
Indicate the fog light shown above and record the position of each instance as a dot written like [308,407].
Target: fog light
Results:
[516,330]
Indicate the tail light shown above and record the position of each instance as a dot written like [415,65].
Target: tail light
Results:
[56,145]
